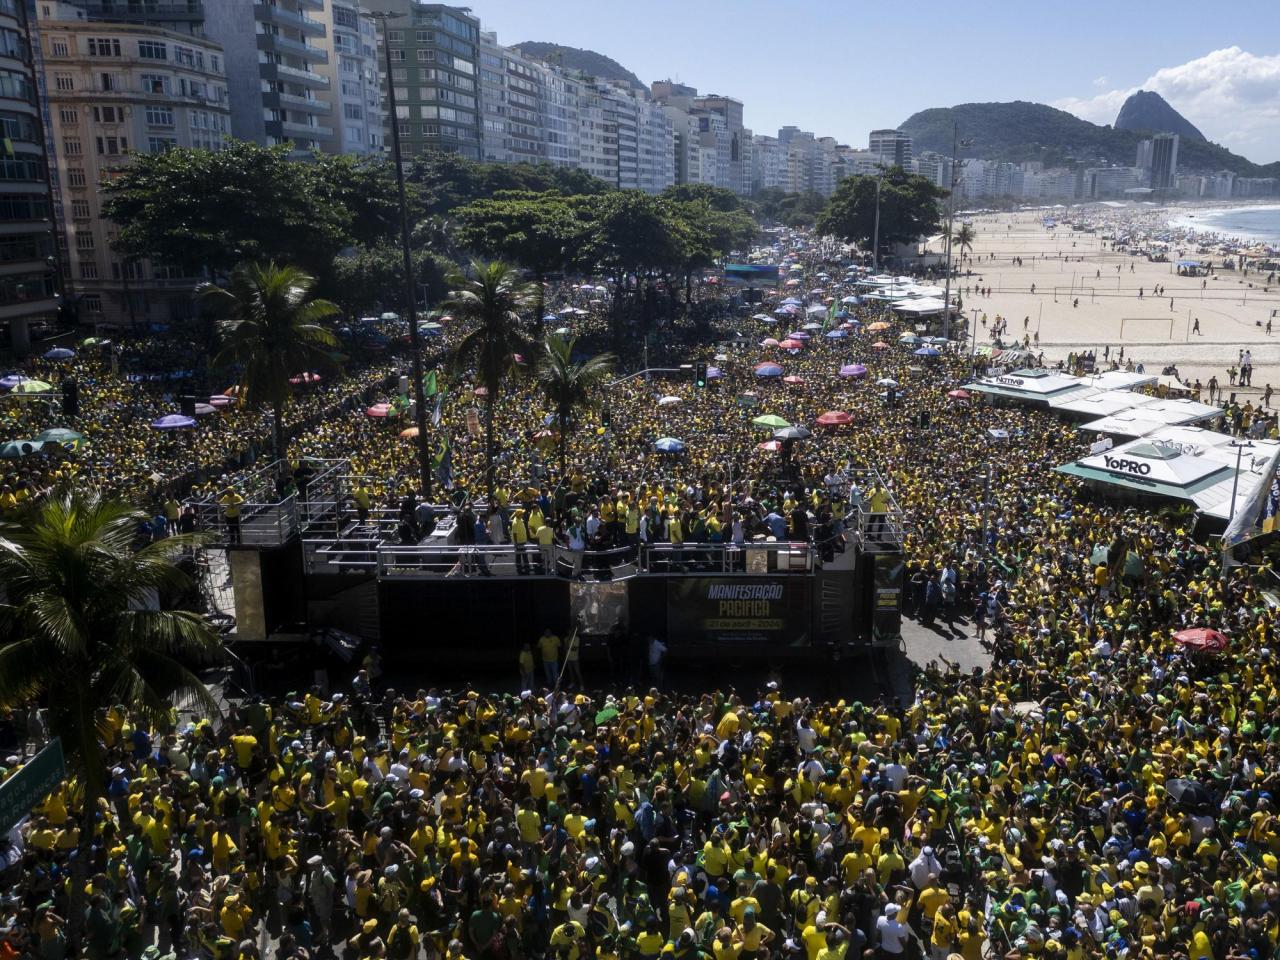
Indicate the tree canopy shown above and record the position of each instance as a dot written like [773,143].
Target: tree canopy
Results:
[203,209]
[908,209]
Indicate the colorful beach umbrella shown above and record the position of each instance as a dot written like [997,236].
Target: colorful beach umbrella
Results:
[59,353]
[379,410]
[768,370]
[835,418]
[853,370]
[669,445]
[770,420]
[173,421]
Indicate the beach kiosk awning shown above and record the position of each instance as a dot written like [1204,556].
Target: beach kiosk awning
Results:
[1151,467]
[1034,387]
[1099,403]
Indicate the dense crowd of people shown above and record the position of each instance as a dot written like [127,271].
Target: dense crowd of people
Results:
[1099,791]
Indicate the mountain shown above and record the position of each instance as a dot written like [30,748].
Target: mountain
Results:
[1020,131]
[1149,112]
[582,61]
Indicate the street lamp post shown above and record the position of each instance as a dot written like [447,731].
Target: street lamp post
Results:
[875,240]
[415,336]
[1240,446]
[951,219]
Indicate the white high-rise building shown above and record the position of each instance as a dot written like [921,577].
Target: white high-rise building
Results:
[354,96]
[893,147]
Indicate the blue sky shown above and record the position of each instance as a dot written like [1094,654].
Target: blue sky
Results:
[844,68]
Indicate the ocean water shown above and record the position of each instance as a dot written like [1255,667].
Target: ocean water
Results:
[1257,223]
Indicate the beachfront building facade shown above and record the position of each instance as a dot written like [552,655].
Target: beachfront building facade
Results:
[274,52]
[28,279]
[354,93]
[435,65]
[893,147]
[116,87]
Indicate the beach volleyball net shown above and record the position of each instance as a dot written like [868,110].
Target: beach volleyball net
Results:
[1149,329]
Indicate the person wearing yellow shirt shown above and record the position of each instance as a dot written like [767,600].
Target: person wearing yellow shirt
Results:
[520,543]
[945,930]
[234,917]
[753,936]
[549,646]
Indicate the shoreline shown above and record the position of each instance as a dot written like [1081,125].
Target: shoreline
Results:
[1183,219]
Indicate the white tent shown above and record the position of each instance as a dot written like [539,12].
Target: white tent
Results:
[921,307]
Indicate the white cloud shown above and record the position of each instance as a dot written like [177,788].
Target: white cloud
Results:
[1231,95]
[1101,81]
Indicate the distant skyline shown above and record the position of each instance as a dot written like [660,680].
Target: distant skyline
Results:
[842,69]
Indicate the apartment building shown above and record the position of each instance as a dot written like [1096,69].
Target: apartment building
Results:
[28,279]
[354,94]
[435,70]
[117,86]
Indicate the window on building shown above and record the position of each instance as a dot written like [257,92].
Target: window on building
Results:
[426,56]
[88,269]
[157,83]
[399,75]
[397,56]
[159,117]
[84,240]
[75,177]
[69,116]
[64,82]
[92,303]
[426,36]
[108,114]
[153,50]
[80,209]
[71,146]
[342,17]
[160,144]
[104,47]
[58,48]
[352,111]
[112,146]
[185,56]
[109,82]
[395,36]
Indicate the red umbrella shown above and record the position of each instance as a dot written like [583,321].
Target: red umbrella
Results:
[879,345]
[379,410]
[793,379]
[772,446]
[1203,639]
[790,344]
[959,394]
[305,378]
[835,418]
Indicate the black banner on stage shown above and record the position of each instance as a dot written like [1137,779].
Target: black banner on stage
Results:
[738,611]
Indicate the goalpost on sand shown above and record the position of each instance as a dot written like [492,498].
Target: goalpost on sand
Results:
[1147,329]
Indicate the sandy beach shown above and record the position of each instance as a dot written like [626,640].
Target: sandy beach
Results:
[1086,295]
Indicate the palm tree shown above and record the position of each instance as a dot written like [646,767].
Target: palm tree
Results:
[270,328]
[492,299]
[78,629]
[963,238]
[569,385]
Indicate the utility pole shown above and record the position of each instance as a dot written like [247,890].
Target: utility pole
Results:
[415,335]
[951,216]
[875,243]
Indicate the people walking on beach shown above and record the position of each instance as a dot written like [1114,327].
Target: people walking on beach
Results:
[1266,396]
[1195,327]
[1213,388]
[1231,374]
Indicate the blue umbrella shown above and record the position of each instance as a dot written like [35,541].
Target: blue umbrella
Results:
[549,318]
[669,445]
[928,352]
[836,334]
[714,373]
[768,370]
[11,381]
[173,421]
[59,353]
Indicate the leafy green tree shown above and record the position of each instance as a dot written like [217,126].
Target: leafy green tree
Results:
[633,233]
[569,385]
[78,629]
[272,330]
[488,301]
[200,209]
[539,231]
[366,188]
[371,279]
[908,209]
[448,181]
[720,199]
[963,238]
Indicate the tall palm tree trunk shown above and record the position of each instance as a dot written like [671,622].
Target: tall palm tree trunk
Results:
[277,417]
[563,418]
[488,438]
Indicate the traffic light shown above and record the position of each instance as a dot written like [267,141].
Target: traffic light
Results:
[699,374]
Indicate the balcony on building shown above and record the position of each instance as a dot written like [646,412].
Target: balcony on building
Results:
[279,43]
[272,13]
[305,131]
[290,101]
[305,78]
